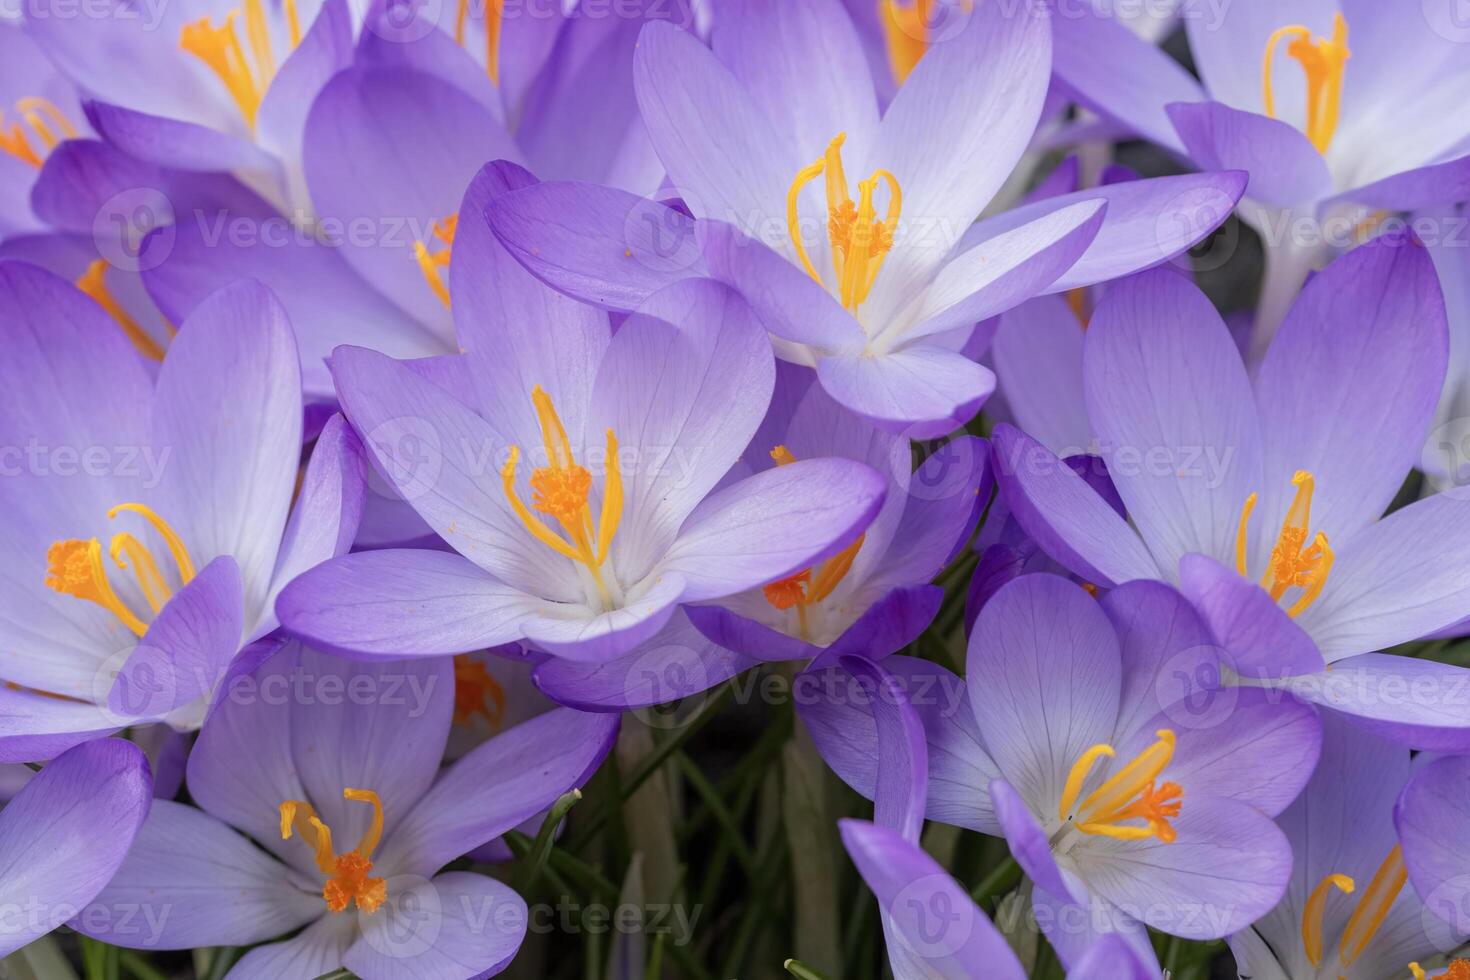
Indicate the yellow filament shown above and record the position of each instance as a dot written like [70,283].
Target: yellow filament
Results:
[259,37]
[1312,914]
[1323,62]
[49,124]
[293,23]
[433,262]
[93,282]
[155,589]
[1294,562]
[347,874]
[494,14]
[1130,794]
[1081,769]
[220,49]
[905,33]
[169,535]
[1240,534]
[1373,907]
[75,568]
[808,587]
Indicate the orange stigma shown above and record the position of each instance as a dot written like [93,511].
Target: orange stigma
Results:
[48,126]
[1323,61]
[494,13]
[93,282]
[434,260]
[1293,563]
[1133,793]
[347,874]
[477,692]
[220,48]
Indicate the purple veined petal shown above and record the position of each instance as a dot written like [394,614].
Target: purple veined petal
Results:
[67,831]
[327,512]
[1372,320]
[1148,222]
[397,34]
[189,880]
[403,602]
[619,250]
[1416,188]
[725,157]
[897,619]
[945,497]
[1111,958]
[1003,271]
[315,950]
[840,719]
[1076,922]
[1431,819]
[684,385]
[325,50]
[749,637]
[1420,703]
[1027,840]
[1229,866]
[585,634]
[771,46]
[924,391]
[399,147]
[1229,43]
[902,777]
[454,925]
[772,525]
[1069,520]
[187,648]
[1032,625]
[1038,359]
[17,216]
[1285,168]
[911,887]
[1172,408]
[497,786]
[1117,74]
[677,663]
[1262,640]
[952,135]
[1397,580]
[34,726]
[176,143]
[791,304]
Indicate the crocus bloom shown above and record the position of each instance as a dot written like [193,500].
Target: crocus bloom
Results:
[65,834]
[1348,914]
[188,480]
[883,297]
[1116,791]
[1262,502]
[498,452]
[332,767]
[1328,104]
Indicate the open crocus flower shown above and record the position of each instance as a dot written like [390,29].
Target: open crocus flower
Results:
[1347,914]
[148,532]
[1117,791]
[575,474]
[1317,100]
[332,767]
[38,111]
[850,234]
[65,834]
[1263,502]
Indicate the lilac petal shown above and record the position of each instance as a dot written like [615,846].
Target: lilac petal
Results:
[315,950]
[1420,703]
[583,634]
[1027,840]
[749,637]
[1031,625]
[1262,640]
[924,391]
[945,496]
[325,50]
[34,726]
[228,403]
[617,250]
[497,786]
[403,602]
[890,624]
[1371,320]
[1077,921]
[1069,520]
[1227,50]
[1431,818]
[187,647]
[1038,359]
[175,143]
[1169,399]
[1285,168]
[910,886]
[189,881]
[1413,190]
[1228,867]
[66,832]
[1110,958]
[902,784]
[677,663]
[773,524]
[455,925]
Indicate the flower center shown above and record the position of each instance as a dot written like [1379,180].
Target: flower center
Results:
[1323,62]
[1456,970]
[45,121]
[492,12]
[433,255]
[859,240]
[93,282]
[561,490]
[347,874]
[220,48]
[476,692]
[75,568]
[1294,563]
[806,588]
[1131,794]
[1368,914]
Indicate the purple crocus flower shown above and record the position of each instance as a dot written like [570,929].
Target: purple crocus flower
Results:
[332,767]
[65,834]
[189,480]
[1347,914]
[497,448]
[880,300]
[1263,502]
[1174,831]
[1316,99]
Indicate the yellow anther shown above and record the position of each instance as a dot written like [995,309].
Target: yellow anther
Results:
[1323,61]
[93,282]
[1312,914]
[347,874]
[1131,794]
[245,78]
[494,14]
[49,125]
[1294,563]
[433,255]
